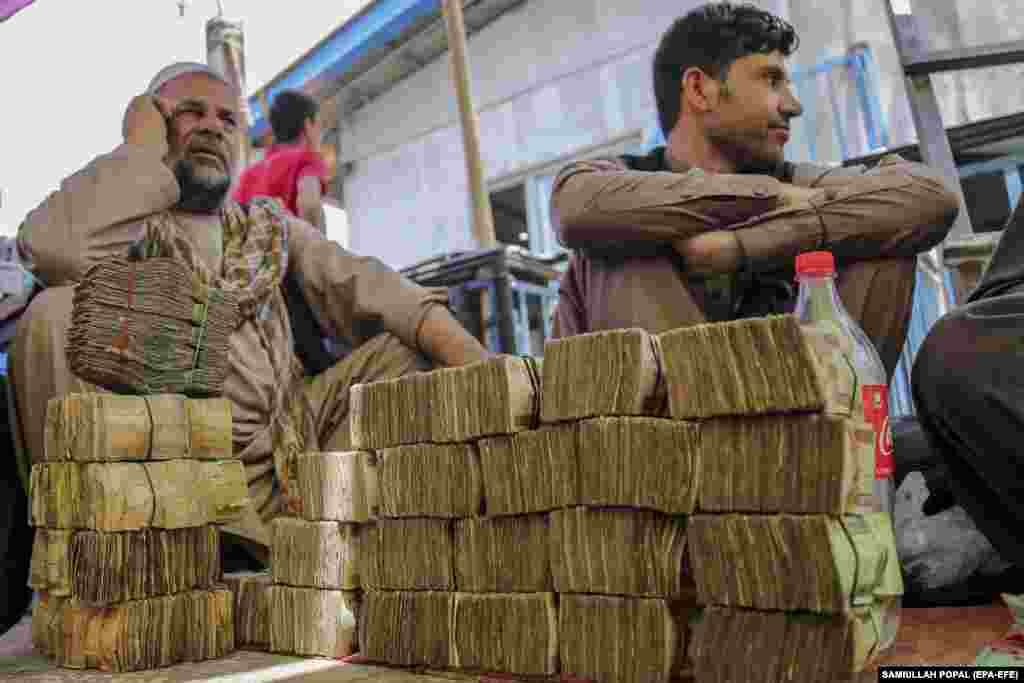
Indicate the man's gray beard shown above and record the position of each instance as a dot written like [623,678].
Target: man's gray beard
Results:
[199,194]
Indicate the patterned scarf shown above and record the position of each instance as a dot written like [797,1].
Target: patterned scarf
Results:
[254,265]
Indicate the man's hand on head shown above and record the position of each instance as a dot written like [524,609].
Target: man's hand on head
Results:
[147,123]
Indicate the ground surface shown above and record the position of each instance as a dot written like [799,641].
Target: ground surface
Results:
[943,636]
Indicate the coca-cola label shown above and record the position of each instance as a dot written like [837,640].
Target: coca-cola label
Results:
[876,413]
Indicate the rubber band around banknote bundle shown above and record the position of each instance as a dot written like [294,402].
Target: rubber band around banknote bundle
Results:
[149,454]
[856,561]
[152,493]
[152,428]
[531,371]
[121,341]
[856,384]
[662,407]
[204,310]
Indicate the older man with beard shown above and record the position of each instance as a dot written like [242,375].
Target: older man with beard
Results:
[707,228]
[167,185]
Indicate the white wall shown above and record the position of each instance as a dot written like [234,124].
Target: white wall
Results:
[826,34]
[5,229]
[337,224]
[534,46]
[547,82]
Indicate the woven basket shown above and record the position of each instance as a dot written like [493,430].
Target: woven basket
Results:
[150,327]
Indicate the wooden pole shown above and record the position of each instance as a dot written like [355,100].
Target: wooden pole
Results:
[483,218]
[266,113]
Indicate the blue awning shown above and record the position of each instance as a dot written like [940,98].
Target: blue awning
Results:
[377,25]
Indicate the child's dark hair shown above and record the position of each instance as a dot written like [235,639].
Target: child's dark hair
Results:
[289,113]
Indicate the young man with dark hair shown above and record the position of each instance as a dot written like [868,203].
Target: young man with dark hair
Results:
[707,228]
[293,170]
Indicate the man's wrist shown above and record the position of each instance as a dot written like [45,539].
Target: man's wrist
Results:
[445,340]
[712,253]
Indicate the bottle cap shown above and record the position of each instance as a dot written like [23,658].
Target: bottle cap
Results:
[816,263]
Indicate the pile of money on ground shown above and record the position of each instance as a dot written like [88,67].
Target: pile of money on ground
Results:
[126,502]
[641,509]
[638,508]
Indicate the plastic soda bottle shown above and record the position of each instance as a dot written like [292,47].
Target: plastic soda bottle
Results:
[819,307]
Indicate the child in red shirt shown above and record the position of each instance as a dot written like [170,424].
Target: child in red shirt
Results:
[293,170]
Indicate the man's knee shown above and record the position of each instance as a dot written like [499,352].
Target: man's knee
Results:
[946,365]
[864,274]
[879,294]
[390,357]
[49,312]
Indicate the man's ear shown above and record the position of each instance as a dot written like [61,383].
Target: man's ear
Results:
[700,92]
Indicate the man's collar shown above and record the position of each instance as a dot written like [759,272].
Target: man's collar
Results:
[783,171]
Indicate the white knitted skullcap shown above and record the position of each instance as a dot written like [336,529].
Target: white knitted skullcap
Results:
[169,73]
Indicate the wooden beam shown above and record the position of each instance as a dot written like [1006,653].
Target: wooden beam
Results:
[266,114]
[483,218]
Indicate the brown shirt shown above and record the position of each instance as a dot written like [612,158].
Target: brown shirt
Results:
[100,211]
[620,216]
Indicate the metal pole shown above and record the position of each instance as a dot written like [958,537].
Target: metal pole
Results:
[483,218]
[933,140]
[924,107]
[225,53]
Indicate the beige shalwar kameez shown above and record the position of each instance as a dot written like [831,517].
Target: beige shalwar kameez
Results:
[100,211]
